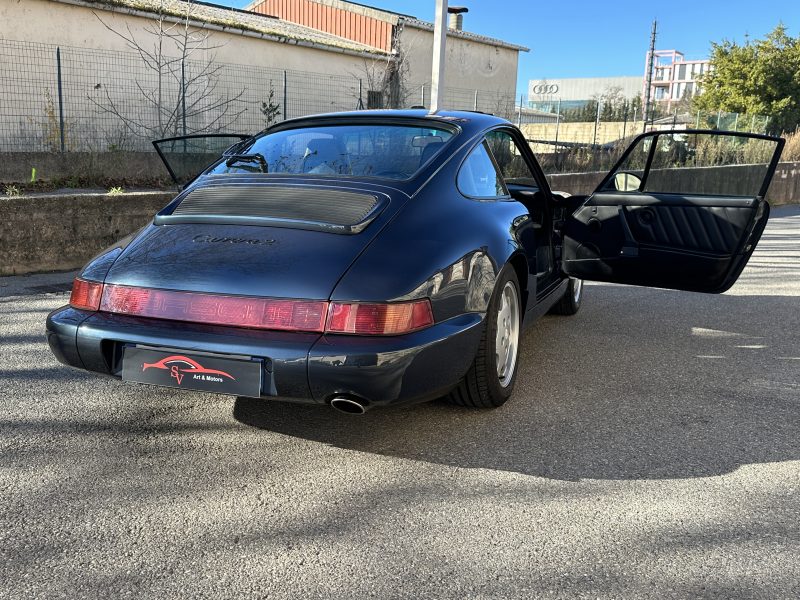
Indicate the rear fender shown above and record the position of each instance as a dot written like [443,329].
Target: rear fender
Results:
[443,247]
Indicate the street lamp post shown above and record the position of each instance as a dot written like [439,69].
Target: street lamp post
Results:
[439,56]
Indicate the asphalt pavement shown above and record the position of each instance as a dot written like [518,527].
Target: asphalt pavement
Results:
[651,449]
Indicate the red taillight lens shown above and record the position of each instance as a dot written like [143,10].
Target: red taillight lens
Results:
[379,319]
[85,294]
[260,313]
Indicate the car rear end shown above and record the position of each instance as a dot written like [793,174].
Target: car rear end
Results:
[229,295]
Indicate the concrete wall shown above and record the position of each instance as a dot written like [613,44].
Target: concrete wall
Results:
[55,233]
[84,168]
[784,189]
[580,132]
[62,232]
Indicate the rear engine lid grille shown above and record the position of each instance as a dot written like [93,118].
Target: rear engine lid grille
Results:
[305,207]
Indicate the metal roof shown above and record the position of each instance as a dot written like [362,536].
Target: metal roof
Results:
[420,24]
[233,21]
[411,21]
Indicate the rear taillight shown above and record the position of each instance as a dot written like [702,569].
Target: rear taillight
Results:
[86,294]
[379,319]
[260,313]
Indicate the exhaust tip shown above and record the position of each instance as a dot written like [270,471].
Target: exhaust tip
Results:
[348,405]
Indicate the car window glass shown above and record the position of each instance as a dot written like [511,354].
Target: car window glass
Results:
[696,163]
[369,150]
[478,177]
[513,166]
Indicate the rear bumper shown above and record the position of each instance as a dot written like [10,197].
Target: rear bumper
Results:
[300,367]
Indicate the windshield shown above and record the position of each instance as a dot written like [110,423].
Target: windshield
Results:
[388,151]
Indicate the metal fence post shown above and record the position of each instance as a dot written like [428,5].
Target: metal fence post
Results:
[60,100]
[285,108]
[558,123]
[422,96]
[596,121]
[183,100]
[475,106]
[625,120]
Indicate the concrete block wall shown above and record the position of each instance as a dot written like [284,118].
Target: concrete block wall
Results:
[62,232]
[784,189]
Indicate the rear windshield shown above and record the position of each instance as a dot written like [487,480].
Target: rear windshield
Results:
[387,151]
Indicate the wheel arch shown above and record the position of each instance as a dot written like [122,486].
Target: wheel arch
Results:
[519,263]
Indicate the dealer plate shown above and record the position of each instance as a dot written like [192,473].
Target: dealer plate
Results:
[192,371]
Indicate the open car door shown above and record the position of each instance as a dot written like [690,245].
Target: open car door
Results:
[681,210]
[187,156]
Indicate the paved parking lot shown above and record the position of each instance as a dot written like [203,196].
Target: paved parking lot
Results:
[652,449]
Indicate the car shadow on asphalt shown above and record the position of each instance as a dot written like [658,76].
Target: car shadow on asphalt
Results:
[641,384]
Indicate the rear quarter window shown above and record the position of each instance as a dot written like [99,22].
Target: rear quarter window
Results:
[478,176]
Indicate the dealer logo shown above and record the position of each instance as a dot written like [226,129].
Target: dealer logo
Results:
[180,366]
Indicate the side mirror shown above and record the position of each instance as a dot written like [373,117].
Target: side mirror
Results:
[625,181]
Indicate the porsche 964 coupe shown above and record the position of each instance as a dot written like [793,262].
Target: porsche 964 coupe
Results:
[378,258]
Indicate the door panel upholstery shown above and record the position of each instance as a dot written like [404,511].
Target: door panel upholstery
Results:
[712,229]
[661,240]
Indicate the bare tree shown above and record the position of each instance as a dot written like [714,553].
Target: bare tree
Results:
[182,96]
[386,79]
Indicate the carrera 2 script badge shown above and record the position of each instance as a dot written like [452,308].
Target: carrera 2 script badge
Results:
[204,373]
[210,239]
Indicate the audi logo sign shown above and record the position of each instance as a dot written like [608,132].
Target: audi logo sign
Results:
[545,88]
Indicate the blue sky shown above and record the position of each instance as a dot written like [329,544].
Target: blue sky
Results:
[582,38]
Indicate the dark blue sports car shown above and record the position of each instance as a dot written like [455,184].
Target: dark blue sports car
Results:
[388,257]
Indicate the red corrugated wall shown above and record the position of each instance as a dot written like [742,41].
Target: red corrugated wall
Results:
[358,28]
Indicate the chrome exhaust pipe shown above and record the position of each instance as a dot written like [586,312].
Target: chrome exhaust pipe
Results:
[351,406]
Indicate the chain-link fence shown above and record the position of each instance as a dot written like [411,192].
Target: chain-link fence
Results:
[76,99]
[593,137]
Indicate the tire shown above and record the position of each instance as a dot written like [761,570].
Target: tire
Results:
[487,385]
[570,303]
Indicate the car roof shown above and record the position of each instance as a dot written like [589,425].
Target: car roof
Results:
[469,122]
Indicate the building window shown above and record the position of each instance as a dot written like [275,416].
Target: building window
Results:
[681,72]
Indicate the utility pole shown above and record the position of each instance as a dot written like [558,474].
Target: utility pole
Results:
[439,55]
[649,77]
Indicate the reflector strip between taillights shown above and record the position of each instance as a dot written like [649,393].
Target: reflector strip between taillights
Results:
[354,318]
[239,311]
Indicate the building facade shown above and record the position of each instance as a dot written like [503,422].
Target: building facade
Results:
[673,77]
[75,75]
[573,93]
[474,62]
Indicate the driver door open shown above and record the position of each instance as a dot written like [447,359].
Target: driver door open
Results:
[681,210]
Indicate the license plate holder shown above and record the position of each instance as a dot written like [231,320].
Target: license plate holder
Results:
[192,371]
